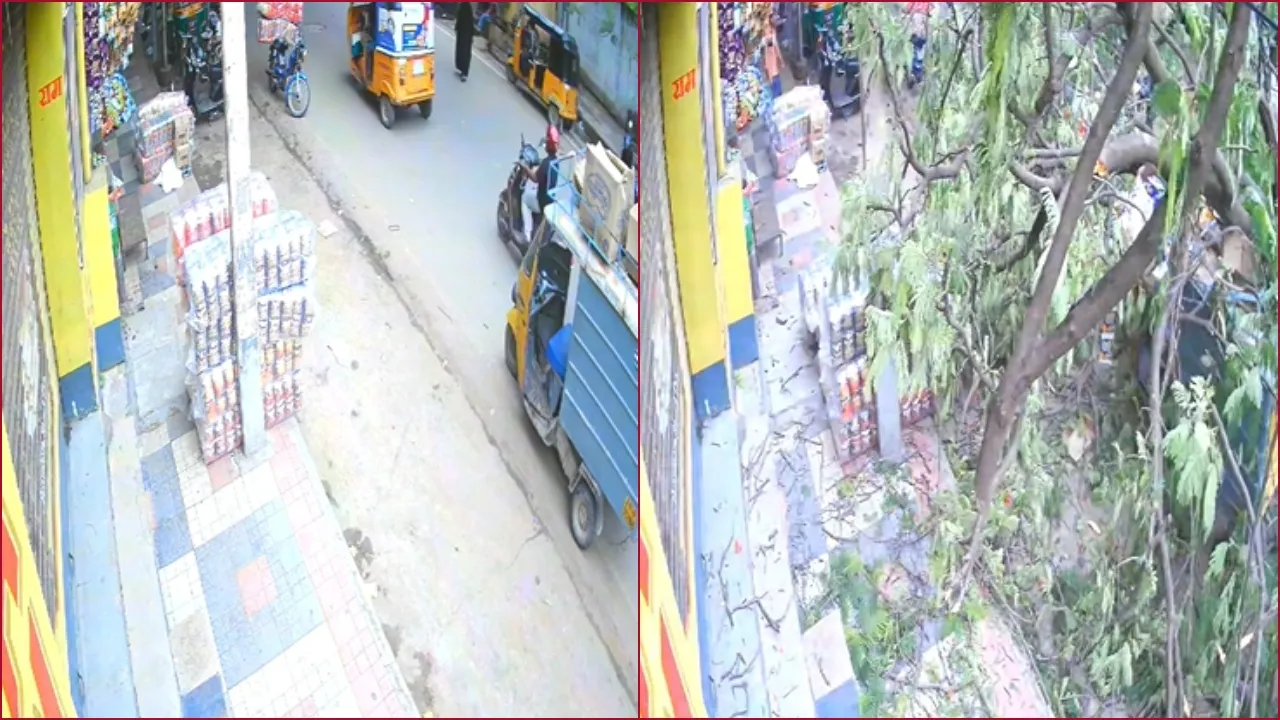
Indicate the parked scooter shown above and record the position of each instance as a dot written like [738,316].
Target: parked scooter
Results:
[515,227]
[284,72]
[203,69]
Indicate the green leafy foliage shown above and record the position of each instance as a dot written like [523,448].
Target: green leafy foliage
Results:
[1074,548]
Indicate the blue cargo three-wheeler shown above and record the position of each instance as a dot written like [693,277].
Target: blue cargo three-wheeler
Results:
[571,345]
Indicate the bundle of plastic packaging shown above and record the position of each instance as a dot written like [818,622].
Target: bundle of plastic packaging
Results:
[281,398]
[283,251]
[209,213]
[286,314]
[158,121]
[215,408]
[207,284]
[290,11]
[280,359]
[270,30]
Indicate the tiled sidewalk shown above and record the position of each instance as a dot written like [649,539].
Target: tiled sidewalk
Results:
[265,613]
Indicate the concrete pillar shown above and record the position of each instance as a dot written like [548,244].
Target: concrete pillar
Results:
[236,79]
[888,415]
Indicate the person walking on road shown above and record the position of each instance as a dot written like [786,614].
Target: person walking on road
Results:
[465,26]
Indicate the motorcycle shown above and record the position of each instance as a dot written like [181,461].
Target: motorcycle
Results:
[203,67]
[284,72]
[513,228]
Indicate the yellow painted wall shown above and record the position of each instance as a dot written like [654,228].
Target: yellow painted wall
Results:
[685,158]
[658,612]
[51,163]
[735,266]
[36,681]
[99,261]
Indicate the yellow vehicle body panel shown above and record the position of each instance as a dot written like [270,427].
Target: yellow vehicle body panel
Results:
[518,315]
[552,91]
[405,80]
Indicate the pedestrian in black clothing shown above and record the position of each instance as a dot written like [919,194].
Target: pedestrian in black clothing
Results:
[465,26]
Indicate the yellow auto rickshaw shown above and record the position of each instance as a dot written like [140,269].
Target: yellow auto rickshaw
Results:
[393,55]
[544,62]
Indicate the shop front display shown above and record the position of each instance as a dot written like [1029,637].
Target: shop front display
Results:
[745,90]
[108,44]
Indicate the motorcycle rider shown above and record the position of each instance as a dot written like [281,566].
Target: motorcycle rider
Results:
[544,180]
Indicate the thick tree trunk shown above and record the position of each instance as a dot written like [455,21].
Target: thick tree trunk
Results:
[1011,393]
[1033,356]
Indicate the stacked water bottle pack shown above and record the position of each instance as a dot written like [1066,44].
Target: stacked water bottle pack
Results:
[211,368]
[858,431]
[210,213]
[283,247]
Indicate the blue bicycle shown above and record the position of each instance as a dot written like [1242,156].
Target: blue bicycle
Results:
[284,72]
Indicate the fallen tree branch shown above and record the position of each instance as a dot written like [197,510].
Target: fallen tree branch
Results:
[1011,397]
[1125,154]
[1115,284]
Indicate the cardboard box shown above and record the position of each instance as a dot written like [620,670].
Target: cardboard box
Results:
[607,194]
[633,232]
[633,243]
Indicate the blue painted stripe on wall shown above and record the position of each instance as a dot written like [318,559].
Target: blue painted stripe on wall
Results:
[744,344]
[79,393]
[68,576]
[711,391]
[109,343]
[700,575]
[106,669]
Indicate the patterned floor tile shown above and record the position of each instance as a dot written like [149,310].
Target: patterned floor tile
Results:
[232,501]
[195,484]
[307,679]
[246,643]
[128,171]
[186,450]
[221,472]
[160,479]
[181,589]
[152,440]
[149,194]
[195,653]
[154,282]
[207,701]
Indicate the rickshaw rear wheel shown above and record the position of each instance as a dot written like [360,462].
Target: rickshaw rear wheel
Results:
[511,73]
[386,112]
[553,117]
[424,107]
[584,514]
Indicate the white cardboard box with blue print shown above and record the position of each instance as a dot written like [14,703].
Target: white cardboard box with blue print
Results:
[607,195]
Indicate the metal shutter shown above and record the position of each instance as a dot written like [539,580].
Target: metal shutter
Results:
[27,377]
[664,423]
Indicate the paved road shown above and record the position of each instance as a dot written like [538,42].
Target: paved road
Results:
[421,199]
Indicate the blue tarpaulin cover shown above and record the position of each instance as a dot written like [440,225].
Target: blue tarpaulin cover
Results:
[558,350]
